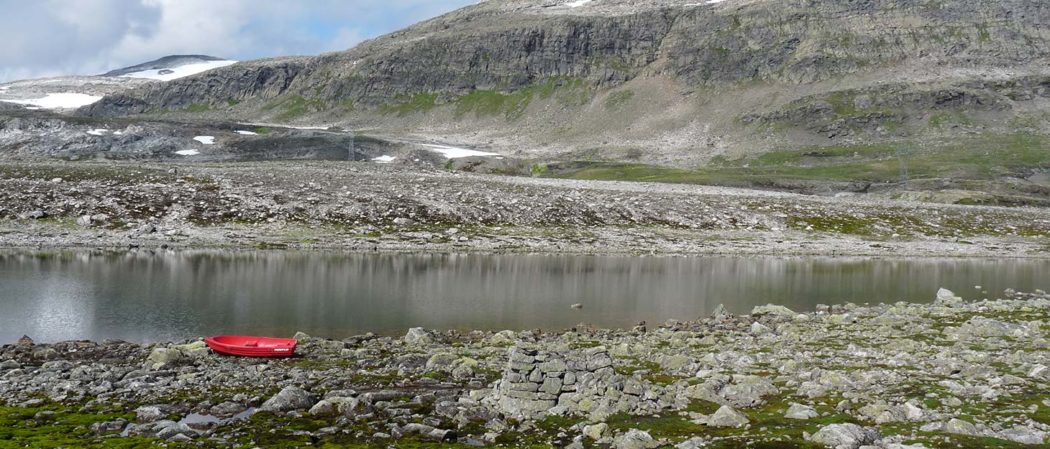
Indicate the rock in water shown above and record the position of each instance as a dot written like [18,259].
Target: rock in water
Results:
[720,311]
[290,398]
[845,436]
[775,310]
[25,341]
[947,298]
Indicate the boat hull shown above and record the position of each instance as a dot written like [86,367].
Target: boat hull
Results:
[248,346]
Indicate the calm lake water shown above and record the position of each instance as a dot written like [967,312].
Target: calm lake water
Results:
[142,297]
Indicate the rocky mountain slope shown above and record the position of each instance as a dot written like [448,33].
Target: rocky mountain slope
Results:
[833,90]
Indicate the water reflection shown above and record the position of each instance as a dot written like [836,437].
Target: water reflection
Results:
[144,297]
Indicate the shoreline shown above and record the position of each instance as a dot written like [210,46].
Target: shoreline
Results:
[947,374]
[22,236]
[372,207]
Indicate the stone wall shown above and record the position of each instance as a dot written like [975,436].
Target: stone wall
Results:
[536,383]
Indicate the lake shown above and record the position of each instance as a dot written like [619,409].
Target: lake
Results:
[144,297]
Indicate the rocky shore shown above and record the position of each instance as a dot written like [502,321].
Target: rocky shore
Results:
[948,374]
[365,206]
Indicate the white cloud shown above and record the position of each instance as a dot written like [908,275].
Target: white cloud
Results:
[55,37]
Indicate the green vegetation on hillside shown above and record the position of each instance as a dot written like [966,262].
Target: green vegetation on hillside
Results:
[294,107]
[980,157]
[407,104]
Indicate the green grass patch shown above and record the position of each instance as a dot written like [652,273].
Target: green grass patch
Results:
[512,105]
[19,429]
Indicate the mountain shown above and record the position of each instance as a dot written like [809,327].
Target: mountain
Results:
[71,92]
[754,91]
[171,67]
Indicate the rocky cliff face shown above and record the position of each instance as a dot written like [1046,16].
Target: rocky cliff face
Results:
[670,80]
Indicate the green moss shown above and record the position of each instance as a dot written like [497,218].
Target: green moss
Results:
[68,428]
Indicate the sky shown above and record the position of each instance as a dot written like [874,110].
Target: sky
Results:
[86,37]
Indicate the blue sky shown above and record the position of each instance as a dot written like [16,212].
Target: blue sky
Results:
[59,37]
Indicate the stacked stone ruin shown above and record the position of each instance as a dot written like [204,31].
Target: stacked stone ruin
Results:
[536,383]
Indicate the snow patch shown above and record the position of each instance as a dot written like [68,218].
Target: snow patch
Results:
[455,152]
[384,159]
[98,132]
[578,3]
[247,133]
[179,72]
[187,152]
[66,100]
[207,140]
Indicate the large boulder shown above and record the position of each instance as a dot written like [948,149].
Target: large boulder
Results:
[635,439]
[419,337]
[947,298]
[960,427]
[799,411]
[161,358]
[726,416]
[748,391]
[773,310]
[335,406]
[845,436]
[290,398]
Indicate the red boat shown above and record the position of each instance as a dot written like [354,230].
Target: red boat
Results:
[245,346]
